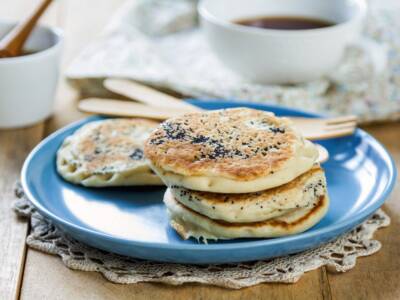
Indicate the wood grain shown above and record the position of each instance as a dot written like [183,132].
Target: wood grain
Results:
[15,145]
[69,284]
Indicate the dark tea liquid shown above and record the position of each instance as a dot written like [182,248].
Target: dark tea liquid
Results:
[284,23]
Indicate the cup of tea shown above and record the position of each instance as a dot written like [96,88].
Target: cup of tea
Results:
[281,41]
[28,82]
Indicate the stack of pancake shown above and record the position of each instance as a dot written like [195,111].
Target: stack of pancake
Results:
[237,173]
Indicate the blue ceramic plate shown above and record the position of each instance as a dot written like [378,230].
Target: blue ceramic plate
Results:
[134,222]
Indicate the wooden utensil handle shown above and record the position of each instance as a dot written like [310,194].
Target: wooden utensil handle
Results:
[13,42]
[146,95]
[121,108]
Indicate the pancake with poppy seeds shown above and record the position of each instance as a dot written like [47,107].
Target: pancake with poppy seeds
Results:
[302,192]
[237,150]
[189,223]
[107,153]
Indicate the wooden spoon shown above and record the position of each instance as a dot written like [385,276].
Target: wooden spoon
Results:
[11,45]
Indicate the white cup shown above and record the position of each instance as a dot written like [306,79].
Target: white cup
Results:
[281,56]
[28,83]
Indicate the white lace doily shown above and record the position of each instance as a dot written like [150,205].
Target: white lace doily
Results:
[158,42]
[339,255]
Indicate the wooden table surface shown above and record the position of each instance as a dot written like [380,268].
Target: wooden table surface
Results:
[29,274]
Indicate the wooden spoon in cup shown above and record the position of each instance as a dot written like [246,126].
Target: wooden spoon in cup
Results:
[11,45]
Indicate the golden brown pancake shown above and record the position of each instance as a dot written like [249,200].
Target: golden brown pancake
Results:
[189,223]
[236,150]
[107,153]
[301,192]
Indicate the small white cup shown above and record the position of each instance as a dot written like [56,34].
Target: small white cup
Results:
[281,56]
[28,82]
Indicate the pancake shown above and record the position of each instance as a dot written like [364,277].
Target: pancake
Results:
[107,153]
[302,192]
[189,223]
[238,150]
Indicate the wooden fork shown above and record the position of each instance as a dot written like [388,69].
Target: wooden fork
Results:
[311,128]
[326,128]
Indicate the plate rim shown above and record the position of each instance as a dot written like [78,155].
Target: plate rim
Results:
[214,246]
